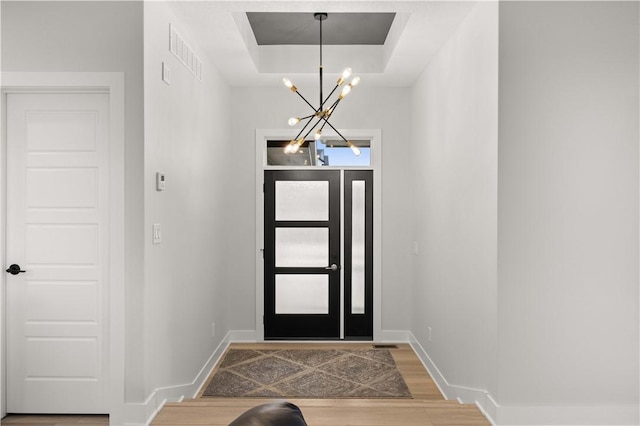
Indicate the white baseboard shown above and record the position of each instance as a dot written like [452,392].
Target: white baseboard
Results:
[610,415]
[142,414]
[392,336]
[243,336]
[463,394]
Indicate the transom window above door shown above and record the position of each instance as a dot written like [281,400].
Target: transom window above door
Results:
[318,153]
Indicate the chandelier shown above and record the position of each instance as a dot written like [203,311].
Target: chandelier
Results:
[321,114]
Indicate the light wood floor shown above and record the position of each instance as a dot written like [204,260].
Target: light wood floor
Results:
[427,408]
[55,420]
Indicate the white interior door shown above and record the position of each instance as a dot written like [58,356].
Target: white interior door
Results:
[57,232]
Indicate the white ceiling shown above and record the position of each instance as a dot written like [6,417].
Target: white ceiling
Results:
[220,30]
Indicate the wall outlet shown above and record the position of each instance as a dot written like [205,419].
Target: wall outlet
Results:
[429,334]
[213,329]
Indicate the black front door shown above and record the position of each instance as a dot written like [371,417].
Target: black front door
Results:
[307,224]
[302,254]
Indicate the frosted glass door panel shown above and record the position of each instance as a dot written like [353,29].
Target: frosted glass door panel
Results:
[357,246]
[306,247]
[302,294]
[302,200]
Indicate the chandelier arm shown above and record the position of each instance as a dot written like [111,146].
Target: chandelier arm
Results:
[332,92]
[337,132]
[331,109]
[305,126]
[334,106]
[308,103]
[313,127]
[326,118]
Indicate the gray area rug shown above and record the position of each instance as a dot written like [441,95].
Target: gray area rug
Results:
[308,373]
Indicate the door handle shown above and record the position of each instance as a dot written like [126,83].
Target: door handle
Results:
[15,269]
[333,267]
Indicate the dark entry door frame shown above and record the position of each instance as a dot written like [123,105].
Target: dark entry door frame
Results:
[375,138]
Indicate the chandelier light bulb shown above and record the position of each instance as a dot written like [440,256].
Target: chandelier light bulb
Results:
[289,84]
[354,81]
[293,146]
[355,149]
[318,135]
[345,91]
[345,74]
[293,121]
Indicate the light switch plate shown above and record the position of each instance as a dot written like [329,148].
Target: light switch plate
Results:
[157,233]
[166,73]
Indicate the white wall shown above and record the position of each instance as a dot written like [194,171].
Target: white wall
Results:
[187,135]
[94,37]
[175,290]
[366,108]
[526,215]
[527,268]
[568,210]
[454,173]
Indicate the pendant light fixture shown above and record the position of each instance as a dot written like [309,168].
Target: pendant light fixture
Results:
[321,114]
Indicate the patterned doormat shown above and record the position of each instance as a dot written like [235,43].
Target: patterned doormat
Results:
[308,373]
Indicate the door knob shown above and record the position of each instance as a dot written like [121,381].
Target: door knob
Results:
[333,267]
[15,269]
